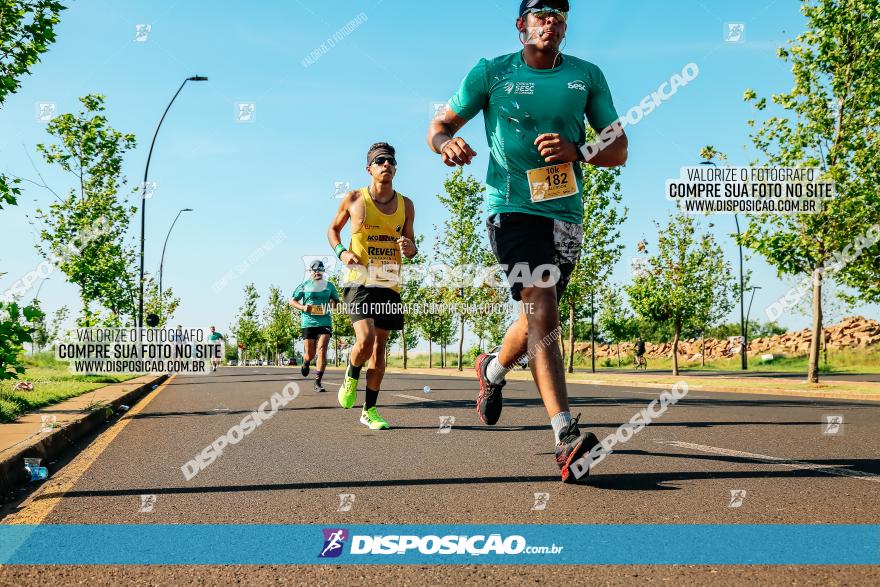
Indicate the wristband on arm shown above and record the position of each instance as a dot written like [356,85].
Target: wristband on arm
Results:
[339,249]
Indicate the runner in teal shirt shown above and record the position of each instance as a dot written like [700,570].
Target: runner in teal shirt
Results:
[519,103]
[215,337]
[317,294]
[536,104]
[314,298]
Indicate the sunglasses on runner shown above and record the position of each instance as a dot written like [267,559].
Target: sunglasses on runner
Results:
[545,13]
[381,160]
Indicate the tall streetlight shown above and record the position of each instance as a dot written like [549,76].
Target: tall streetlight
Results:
[754,288]
[195,78]
[742,285]
[162,260]
[42,283]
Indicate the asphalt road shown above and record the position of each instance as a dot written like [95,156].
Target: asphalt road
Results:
[796,376]
[681,469]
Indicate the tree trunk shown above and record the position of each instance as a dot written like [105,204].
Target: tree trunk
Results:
[825,345]
[571,336]
[593,330]
[675,336]
[430,355]
[404,346]
[562,347]
[461,346]
[813,368]
[702,348]
[618,354]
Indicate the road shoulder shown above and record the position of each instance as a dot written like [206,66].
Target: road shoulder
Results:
[49,432]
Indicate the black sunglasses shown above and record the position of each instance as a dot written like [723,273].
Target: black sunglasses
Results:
[381,160]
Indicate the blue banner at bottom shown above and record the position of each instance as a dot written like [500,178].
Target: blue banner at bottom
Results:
[527,544]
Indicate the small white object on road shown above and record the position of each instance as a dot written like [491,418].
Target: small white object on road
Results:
[427,389]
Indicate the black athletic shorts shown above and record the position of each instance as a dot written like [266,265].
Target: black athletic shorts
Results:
[313,332]
[534,241]
[382,304]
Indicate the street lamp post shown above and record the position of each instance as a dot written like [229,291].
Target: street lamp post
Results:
[742,304]
[195,78]
[754,288]
[162,259]
[42,283]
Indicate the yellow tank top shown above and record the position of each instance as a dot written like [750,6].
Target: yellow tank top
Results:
[375,244]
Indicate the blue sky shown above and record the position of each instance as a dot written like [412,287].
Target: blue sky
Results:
[312,125]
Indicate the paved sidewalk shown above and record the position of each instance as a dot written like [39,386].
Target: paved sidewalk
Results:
[47,432]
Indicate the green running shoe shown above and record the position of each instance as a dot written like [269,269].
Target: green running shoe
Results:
[348,392]
[372,419]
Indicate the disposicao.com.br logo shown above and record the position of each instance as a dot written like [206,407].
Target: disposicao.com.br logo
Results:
[478,545]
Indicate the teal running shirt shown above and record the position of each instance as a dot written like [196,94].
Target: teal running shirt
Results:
[519,103]
[316,293]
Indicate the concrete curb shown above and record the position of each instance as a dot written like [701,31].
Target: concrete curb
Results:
[51,445]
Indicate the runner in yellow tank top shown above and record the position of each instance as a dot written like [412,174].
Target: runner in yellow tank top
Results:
[375,244]
[382,231]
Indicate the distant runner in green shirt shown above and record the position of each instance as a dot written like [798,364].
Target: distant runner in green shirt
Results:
[215,336]
[535,104]
[313,298]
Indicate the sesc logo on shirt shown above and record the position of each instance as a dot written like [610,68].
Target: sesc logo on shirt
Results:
[521,88]
[577,85]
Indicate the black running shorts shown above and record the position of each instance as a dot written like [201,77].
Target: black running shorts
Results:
[380,304]
[313,332]
[534,243]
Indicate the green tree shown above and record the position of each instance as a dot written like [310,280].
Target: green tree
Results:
[46,332]
[461,241]
[603,217]
[279,329]
[410,293]
[104,265]
[616,320]
[828,120]
[15,331]
[687,274]
[343,331]
[27,28]
[246,329]
[165,307]
[433,325]
[716,302]
[490,322]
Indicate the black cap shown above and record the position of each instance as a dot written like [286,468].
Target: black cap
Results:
[317,266]
[561,5]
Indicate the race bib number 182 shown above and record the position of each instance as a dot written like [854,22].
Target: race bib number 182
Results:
[552,182]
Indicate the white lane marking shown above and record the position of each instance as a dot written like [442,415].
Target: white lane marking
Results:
[418,399]
[864,476]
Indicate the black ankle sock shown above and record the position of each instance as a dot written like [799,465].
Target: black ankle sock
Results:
[318,376]
[372,397]
[354,372]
